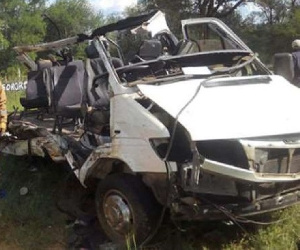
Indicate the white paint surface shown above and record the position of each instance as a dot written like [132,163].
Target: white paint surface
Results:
[238,111]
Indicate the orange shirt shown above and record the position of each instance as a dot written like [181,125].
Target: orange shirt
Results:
[3,111]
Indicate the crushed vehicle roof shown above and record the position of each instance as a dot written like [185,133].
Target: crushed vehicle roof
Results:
[129,22]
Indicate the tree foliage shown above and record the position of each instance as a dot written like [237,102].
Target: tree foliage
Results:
[276,31]
[33,21]
[24,22]
[67,18]
[274,11]
[269,31]
[204,8]
[177,10]
[21,24]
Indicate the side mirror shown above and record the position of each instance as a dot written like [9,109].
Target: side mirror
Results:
[284,66]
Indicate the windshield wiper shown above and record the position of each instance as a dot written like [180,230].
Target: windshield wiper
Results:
[167,78]
[235,82]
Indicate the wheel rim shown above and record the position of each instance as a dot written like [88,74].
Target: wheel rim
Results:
[118,213]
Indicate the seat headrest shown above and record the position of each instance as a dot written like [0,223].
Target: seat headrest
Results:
[168,40]
[44,64]
[150,49]
[91,51]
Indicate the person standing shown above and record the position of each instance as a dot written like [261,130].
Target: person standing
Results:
[296,60]
[3,111]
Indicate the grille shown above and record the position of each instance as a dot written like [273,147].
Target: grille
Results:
[281,161]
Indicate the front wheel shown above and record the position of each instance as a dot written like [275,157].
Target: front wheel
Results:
[126,208]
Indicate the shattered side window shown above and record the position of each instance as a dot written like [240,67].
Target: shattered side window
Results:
[209,37]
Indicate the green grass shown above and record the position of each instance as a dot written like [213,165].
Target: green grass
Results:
[283,235]
[30,221]
[13,100]
[33,222]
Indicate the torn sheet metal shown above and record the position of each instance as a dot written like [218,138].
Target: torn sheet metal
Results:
[30,139]
[39,146]
[47,46]
[155,24]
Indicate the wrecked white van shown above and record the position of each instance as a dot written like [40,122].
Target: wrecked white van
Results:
[199,126]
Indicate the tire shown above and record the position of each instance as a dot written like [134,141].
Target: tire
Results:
[126,208]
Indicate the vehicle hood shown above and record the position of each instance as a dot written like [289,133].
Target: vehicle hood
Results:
[231,108]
